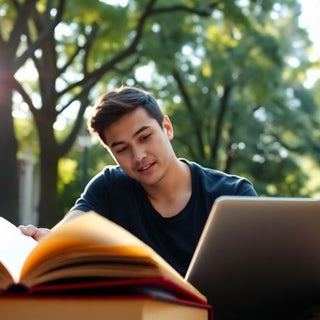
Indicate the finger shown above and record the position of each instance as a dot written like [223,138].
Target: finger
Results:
[28,230]
[41,232]
[34,232]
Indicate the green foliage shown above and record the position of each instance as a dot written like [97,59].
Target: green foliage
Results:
[228,88]
[7,17]
[66,171]
[222,70]
[71,182]
[28,138]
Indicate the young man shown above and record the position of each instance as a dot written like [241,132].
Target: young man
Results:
[163,200]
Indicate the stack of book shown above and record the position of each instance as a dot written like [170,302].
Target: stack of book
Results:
[87,268]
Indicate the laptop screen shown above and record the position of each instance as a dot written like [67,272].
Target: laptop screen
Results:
[257,252]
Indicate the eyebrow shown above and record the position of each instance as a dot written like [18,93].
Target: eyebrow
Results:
[116,143]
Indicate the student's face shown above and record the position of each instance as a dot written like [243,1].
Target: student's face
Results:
[140,146]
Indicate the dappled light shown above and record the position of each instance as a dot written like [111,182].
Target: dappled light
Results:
[239,80]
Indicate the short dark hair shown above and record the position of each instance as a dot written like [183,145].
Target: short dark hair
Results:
[112,105]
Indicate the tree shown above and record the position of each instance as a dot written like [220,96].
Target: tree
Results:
[222,63]
[14,20]
[56,56]
[230,87]
[95,42]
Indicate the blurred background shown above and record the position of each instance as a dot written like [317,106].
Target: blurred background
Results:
[239,79]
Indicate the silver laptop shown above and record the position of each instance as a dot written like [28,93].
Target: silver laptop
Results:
[259,253]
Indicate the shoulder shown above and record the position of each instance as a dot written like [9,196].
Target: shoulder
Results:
[111,175]
[106,191]
[219,181]
[210,173]
[111,172]
[115,172]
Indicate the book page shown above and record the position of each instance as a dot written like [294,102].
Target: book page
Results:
[86,232]
[91,237]
[14,247]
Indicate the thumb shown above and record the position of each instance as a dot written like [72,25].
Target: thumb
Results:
[34,232]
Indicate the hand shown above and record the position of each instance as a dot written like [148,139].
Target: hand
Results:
[34,232]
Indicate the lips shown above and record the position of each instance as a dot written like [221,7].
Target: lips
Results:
[146,168]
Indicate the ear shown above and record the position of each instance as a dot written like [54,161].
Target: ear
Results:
[167,127]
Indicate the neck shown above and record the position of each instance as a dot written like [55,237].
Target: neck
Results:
[173,192]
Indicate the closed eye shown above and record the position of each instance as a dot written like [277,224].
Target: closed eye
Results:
[145,137]
[121,149]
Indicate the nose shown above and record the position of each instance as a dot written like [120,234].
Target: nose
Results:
[138,154]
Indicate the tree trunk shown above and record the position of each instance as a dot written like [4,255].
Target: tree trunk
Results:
[48,178]
[9,207]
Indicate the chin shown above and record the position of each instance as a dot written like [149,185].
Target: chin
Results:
[152,181]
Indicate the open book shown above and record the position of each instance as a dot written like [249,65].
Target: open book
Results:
[88,247]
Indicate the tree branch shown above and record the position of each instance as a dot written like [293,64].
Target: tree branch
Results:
[109,65]
[23,14]
[88,45]
[25,96]
[193,115]
[43,34]
[224,104]
[206,12]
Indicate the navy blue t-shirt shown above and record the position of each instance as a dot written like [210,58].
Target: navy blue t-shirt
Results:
[121,199]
